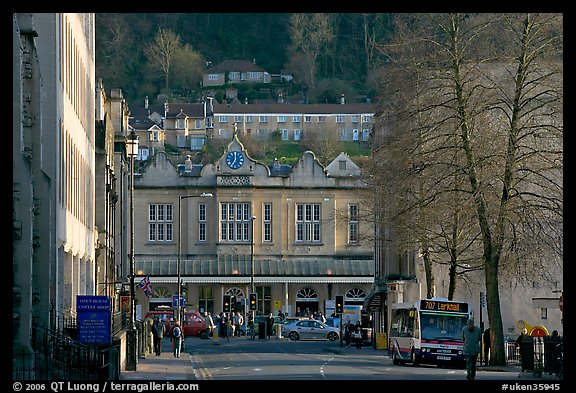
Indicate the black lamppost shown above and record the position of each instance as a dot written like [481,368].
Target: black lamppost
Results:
[132,333]
[252,288]
[203,195]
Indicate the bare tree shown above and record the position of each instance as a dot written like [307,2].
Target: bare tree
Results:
[323,140]
[188,66]
[162,52]
[487,134]
[310,34]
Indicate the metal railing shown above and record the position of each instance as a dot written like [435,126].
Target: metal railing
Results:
[57,354]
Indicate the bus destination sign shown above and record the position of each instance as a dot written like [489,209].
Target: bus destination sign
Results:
[440,305]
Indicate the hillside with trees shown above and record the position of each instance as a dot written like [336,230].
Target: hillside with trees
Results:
[148,54]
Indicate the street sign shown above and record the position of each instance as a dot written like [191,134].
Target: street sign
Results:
[175,301]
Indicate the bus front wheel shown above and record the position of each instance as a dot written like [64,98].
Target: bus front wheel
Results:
[413,359]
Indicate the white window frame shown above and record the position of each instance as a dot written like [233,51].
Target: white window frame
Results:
[160,222]
[353,223]
[213,77]
[308,223]
[297,134]
[267,222]
[235,222]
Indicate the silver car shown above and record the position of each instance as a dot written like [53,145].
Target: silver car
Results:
[309,329]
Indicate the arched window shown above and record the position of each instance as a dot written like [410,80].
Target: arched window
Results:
[356,294]
[235,291]
[307,293]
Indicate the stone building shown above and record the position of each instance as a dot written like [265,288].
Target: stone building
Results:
[301,228]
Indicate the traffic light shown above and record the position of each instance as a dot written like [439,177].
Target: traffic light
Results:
[339,304]
[253,302]
[226,304]
[233,303]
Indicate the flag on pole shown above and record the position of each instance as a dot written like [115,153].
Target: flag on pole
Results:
[146,286]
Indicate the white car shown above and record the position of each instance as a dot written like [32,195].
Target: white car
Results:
[309,329]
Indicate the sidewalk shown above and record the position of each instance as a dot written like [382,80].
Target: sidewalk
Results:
[163,367]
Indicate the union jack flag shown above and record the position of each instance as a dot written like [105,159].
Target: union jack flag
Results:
[146,286]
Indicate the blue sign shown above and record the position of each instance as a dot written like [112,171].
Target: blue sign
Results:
[93,318]
[175,301]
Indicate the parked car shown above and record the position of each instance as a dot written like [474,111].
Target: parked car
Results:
[165,316]
[309,329]
[333,322]
[193,324]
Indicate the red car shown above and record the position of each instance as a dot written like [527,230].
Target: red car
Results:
[193,324]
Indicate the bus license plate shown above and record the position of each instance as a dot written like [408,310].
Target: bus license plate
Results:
[443,358]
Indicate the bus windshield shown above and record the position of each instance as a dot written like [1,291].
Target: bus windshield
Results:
[442,327]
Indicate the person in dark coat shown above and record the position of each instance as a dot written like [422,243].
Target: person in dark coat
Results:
[223,328]
[158,330]
[486,339]
[269,324]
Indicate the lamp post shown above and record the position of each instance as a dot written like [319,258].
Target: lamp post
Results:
[132,333]
[203,195]
[252,289]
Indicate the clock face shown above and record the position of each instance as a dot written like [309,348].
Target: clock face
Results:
[234,159]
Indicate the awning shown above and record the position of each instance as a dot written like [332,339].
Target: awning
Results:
[374,301]
[238,267]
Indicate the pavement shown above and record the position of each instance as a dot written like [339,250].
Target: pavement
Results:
[168,367]
[163,367]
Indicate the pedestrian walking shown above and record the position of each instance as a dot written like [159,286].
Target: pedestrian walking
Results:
[348,334]
[486,339]
[357,335]
[472,336]
[158,330]
[223,328]
[269,324]
[238,322]
[209,324]
[177,336]
[524,337]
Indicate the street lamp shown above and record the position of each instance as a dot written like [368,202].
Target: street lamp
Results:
[203,195]
[132,334]
[252,289]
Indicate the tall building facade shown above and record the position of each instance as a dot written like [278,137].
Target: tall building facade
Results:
[54,168]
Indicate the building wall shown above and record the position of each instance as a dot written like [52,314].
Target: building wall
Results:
[62,158]
[161,183]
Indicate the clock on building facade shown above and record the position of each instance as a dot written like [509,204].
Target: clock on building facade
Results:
[235,159]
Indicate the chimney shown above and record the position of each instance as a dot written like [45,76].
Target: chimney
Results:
[188,164]
[146,102]
[342,99]
[165,108]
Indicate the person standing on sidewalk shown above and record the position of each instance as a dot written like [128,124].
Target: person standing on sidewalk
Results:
[209,324]
[177,338]
[486,340]
[472,336]
[158,330]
